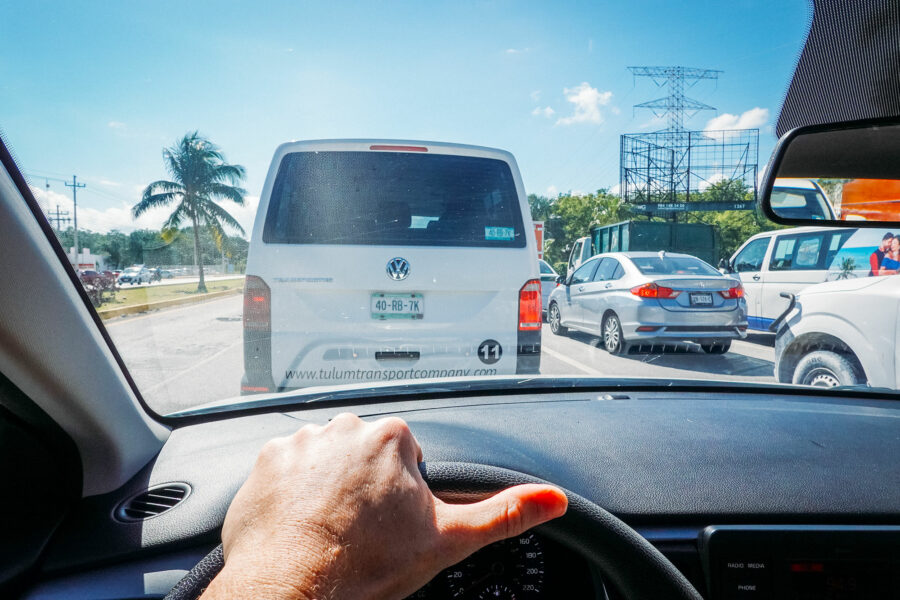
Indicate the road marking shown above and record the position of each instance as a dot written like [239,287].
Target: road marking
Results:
[571,362]
[191,368]
[157,312]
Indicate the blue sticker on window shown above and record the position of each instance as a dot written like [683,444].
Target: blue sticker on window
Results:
[499,233]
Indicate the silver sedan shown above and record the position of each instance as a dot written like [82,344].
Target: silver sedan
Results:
[644,298]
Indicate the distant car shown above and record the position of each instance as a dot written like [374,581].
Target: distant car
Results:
[135,275]
[166,274]
[91,277]
[841,333]
[645,298]
[548,284]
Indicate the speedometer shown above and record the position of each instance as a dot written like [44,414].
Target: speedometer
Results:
[512,568]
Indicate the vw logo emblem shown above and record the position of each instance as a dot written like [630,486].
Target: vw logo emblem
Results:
[398,268]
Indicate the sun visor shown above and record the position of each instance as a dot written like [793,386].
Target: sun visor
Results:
[850,66]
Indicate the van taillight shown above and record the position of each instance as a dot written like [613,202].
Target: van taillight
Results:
[530,305]
[257,304]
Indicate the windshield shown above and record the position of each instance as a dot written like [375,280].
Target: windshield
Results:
[314,196]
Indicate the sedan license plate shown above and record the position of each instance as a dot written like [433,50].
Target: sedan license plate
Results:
[701,299]
[398,306]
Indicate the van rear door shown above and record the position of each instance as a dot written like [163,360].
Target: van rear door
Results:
[389,265]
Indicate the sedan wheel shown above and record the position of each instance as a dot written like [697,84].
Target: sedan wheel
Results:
[556,321]
[613,340]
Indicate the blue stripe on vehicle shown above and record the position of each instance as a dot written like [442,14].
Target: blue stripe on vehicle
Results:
[759,323]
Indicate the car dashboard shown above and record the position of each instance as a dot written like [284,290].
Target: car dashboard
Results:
[749,495]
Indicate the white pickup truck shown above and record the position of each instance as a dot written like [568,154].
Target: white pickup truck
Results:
[841,333]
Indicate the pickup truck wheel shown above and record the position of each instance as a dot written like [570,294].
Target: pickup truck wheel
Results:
[555,321]
[824,368]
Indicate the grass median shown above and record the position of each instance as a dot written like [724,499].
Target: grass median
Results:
[151,294]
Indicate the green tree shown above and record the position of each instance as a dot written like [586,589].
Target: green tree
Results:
[115,245]
[572,216]
[200,175]
[732,226]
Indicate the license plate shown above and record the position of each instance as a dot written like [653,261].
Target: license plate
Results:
[701,299]
[397,306]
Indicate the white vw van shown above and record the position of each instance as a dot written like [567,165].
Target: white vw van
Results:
[374,260]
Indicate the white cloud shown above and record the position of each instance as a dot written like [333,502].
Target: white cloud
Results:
[535,95]
[116,125]
[587,101]
[119,217]
[655,122]
[513,51]
[546,112]
[551,191]
[108,182]
[616,189]
[711,180]
[751,119]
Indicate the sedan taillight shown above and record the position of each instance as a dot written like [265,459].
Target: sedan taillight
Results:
[652,290]
[733,293]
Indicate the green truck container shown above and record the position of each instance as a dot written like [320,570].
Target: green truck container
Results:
[696,239]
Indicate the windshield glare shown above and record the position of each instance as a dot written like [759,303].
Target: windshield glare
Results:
[315,195]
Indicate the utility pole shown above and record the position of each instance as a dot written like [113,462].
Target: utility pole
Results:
[59,216]
[75,185]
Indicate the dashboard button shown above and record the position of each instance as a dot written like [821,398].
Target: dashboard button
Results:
[746,579]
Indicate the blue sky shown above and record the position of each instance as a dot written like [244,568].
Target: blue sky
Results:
[97,89]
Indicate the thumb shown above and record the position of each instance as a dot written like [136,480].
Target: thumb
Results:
[505,514]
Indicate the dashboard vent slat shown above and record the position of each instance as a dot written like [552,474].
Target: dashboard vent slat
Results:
[152,502]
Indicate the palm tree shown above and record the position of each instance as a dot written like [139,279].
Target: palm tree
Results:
[199,176]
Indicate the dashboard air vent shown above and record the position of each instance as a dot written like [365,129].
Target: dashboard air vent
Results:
[152,502]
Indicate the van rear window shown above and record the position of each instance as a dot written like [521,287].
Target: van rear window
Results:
[393,198]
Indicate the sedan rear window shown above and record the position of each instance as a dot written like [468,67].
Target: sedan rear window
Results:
[672,265]
[392,198]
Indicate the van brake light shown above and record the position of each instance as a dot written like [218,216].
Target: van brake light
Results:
[257,304]
[398,148]
[530,305]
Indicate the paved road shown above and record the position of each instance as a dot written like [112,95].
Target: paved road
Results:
[186,356]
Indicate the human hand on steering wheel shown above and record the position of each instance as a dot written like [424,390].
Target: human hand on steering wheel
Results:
[342,511]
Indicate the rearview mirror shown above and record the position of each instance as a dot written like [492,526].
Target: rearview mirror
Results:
[845,174]
[560,280]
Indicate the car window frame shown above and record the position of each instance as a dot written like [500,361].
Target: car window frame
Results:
[762,263]
[591,265]
[798,239]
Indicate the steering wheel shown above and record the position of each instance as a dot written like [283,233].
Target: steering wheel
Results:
[628,562]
